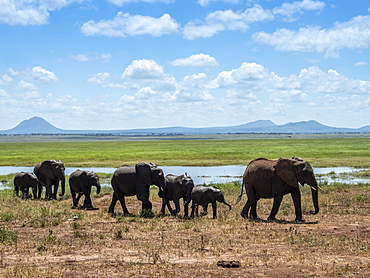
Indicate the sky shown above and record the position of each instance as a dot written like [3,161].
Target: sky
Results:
[123,64]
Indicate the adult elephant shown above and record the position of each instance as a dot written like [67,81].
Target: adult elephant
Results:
[49,173]
[177,187]
[23,181]
[135,180]
[80,182]
[264,178]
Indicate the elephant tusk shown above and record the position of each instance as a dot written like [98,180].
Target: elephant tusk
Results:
[321,188]
[313,188]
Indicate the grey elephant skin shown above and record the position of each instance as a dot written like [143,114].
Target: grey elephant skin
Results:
[23,181]
[264,178]
[177,187]
[80,184]
[204,195]
[135,180]
[50,173]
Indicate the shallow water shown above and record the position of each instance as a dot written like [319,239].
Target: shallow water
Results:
[208,175]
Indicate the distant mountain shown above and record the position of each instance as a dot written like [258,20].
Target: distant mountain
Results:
[37,125]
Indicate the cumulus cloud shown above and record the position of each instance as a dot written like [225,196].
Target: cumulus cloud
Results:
[358,64]
[122,2]
[143,69]
[41,75]
[104,58]
[125,24]
[353,34]
[24,12]
[225,20]
[5,79]
[99,78]
[197,60]
[205,3]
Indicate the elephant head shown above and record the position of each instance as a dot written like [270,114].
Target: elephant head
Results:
[296,170]
[93,180]
[150,174]
[187,185]
[219,196]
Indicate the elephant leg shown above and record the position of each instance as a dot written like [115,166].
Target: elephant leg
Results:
[205,209]
[177,206]
[163,208]
[192,209]
[39,191]
[275,207]
[143,196]
[296,196]
[56,186]
[214,208]
[34,192]
[186,209]
[74,199]
[121,199]
[253,211]
[112,204]
[251,201]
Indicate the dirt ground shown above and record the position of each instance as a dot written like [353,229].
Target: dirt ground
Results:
[94,244]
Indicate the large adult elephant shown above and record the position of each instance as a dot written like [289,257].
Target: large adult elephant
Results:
[264,178]
[49,173]
[177,187]
[80,183]
[135,180]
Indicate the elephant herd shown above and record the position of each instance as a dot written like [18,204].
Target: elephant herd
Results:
[262,178]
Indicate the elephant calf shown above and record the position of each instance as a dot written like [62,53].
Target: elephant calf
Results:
[80,182]
[23,182]
[203,195]
[177,187]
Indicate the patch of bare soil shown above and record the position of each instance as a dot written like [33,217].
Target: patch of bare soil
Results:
[94,244]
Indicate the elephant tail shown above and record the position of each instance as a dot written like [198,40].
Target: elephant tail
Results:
[241,194]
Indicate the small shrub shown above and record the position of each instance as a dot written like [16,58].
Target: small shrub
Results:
[7,216]
[42,248]
[8,237]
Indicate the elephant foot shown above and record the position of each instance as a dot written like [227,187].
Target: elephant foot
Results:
[271,219]
[301,220]
[203,213]
[174,212]
[88,207]
[187,217]
[244,216]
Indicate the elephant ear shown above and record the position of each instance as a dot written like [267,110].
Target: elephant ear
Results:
[144,172]
[284,168]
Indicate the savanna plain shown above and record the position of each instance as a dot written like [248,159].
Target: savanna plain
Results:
[50,239]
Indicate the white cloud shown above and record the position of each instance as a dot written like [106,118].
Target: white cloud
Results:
[104,58]
[353,34]
[3,95]
[41,75]
[24,12]
[288,10]
[23,85]
[358,64]
[206,3]
[99,78]
[122,2]
[30,95]
[225,20]
[197,60]
[124,25]
[143,69]
[5,79]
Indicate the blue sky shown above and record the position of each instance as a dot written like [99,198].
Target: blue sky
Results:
[121,64]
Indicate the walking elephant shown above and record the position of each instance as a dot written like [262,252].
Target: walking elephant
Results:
[49,173]
[203,195]
[80,182]
[177,187]
[135,180]
[264,178]
[23,182]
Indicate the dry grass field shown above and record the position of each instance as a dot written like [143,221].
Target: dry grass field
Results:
[49,239]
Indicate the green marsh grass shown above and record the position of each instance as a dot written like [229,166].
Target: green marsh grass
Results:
[323,152]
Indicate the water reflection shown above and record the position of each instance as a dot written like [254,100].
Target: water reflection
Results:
[209,175]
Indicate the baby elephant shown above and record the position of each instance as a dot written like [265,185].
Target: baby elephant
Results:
[203,195]
[24,181]
[81,182]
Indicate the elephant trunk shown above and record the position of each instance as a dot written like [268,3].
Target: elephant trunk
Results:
[63,184]
[226,203]
[315,198]
[98,188]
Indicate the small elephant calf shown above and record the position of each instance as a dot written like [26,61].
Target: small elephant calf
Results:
[203,195]
[23,182]
[80,182]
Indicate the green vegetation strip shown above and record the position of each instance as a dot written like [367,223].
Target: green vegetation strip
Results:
[323,152]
